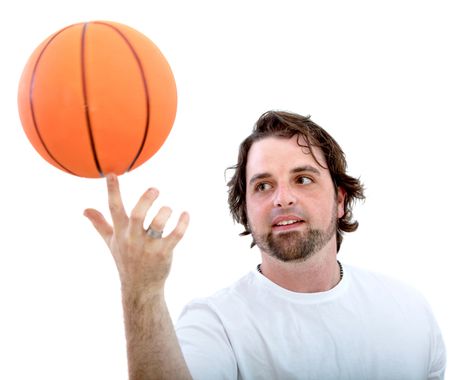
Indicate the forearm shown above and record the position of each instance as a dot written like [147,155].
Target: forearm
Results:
[152,345]
[143,261]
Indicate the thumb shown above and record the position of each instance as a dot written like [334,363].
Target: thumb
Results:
[99,222]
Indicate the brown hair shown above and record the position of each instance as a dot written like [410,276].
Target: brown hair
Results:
[287,125]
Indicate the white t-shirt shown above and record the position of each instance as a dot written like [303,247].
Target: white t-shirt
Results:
[367,327]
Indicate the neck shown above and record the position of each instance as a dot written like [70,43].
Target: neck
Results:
[319,273]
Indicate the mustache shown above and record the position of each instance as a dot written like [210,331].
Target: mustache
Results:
[296,211]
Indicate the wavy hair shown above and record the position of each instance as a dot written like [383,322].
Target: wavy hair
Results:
[286,125]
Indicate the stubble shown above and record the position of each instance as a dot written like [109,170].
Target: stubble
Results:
[296,245]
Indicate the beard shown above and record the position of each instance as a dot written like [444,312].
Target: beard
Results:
[296,245]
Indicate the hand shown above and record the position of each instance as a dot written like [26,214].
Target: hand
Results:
[143,262]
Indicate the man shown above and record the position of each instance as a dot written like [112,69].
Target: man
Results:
[301,314]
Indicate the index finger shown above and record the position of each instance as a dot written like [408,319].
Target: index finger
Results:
[118,213]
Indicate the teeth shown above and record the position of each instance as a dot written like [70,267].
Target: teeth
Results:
[286,222]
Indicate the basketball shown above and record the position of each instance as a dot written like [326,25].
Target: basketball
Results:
[96,98]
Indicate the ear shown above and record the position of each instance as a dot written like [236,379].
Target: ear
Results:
[340,200]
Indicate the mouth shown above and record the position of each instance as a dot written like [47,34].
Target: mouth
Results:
[287,223]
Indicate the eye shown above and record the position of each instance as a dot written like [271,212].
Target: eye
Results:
[263,186]
[304,180]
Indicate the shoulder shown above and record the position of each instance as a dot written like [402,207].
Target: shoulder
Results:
[232,294]
[363,276]
[386,289]
[377,281]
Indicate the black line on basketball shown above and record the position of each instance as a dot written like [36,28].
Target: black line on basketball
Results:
[86,100]
[33,114]
[147,94]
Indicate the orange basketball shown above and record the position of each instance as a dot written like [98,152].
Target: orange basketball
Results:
[97,97]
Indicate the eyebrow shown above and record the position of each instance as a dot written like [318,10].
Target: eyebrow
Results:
[298,169]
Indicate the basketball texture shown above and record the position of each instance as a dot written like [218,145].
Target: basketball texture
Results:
[97,98]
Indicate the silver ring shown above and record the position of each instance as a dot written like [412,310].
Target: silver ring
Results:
[154,234]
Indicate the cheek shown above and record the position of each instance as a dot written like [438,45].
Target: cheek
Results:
[322,210]
[257,213]
[252,210]
[249,210]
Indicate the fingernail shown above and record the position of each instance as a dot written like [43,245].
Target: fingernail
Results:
[110,177]
[152,191]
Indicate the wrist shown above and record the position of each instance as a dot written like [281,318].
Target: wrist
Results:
[142,295]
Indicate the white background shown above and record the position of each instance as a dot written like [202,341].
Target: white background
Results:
[375,74]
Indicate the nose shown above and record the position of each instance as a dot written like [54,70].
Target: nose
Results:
[284,197]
